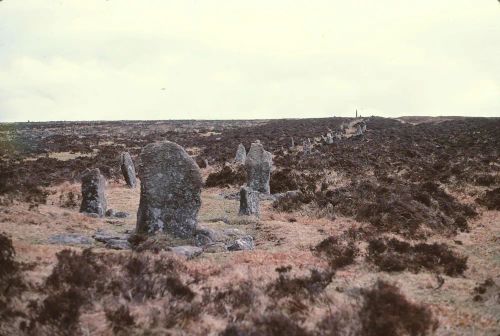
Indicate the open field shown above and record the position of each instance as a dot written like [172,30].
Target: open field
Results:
[395,232]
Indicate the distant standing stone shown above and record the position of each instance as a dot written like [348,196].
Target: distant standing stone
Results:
[249,202]
[359,130]
[307,147]
[258,166]
[170,190]
[93,188]
[128,169]
[241,154]
[292,143]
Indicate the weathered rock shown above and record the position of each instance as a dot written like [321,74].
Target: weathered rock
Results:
[118,244]
[290,193]
[170,190]
[93,188]
[258,166]
[117,214]
[121,214]
[215,248]
[241,155]
[329,138]
[187,251]
[243,243]
[128,169]
[206,236]
[249,202]
[110,213]
[70,239]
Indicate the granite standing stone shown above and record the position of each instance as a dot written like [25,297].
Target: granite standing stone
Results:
[258,166]
[241,155]
[249,202]
[170,190]
[93,192]
[128,169]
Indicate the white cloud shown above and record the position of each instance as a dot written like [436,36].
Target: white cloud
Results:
[96,59]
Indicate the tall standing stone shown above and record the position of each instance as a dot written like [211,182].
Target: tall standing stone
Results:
[128,169]
[292,143]
[93,192]
[241,155]
[249,202]
[258,166]
[170,190]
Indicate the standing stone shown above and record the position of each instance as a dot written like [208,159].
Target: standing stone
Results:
[306,145]
[329,138]
[359,130]
[363,127]
[241,155]
[249,202]
[93,188]
[170,190]
[258,166]
[292,143]
[128,169]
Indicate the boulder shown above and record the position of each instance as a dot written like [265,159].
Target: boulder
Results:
[241,244]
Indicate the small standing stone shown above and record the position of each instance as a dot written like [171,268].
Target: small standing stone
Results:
[307,147]
[329,138]
[241,154]
[363,127]
[170,190]
[93,188]
[128,169]
[258,166]
[249,202]
[359,130]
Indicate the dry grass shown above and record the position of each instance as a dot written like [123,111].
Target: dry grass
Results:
[281,240]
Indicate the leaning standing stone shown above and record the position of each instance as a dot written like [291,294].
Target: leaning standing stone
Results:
[93,187]
[241,155]
[128,169]
[258,166]
[170,190]
[249,202]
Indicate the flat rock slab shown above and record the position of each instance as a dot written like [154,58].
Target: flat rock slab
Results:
[187,251]
[215,248]
[113,240]
[118,244]
[262,196]
[70,239]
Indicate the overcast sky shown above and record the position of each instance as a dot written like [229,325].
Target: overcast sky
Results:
[194,59]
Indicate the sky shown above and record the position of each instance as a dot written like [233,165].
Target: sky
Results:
[226,59]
